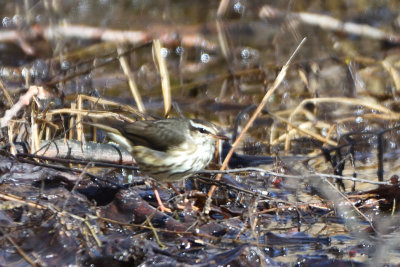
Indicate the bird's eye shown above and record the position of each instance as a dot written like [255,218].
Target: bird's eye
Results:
[202,130]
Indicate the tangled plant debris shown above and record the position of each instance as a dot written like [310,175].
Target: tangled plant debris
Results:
[307,93]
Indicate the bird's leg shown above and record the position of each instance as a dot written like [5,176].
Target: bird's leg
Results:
[159,201]
[185,200]
[173,188]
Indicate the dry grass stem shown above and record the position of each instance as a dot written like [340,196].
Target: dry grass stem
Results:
[48,129]
[131,80]
[223,42]
[35,140]
[79,128]
[101,101]
[163,69]
[10,102]
[223,6]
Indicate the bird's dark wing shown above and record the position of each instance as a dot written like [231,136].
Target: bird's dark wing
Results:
[157,135]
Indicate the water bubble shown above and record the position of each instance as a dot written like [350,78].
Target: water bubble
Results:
[205,58]
[360,110]
[245,53]
[249,54]
[164,52]
[179,50]
[65,65]
[324,131]
[83,7]
[25,72]
[4,73]
[7,22]
[39,18]
[185,245]
[392,144]
[17,20]
[239,8]
[39,69]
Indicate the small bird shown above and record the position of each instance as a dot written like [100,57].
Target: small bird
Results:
[167,150]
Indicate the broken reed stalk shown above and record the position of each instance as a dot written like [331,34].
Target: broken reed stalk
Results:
[264,101]
[165,82]
[131,79]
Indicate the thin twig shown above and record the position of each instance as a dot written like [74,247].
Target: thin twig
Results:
[20,251]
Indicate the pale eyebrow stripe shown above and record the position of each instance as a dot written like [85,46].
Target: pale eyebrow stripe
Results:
[197,125]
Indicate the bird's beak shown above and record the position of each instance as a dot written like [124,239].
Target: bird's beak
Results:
[220,137]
